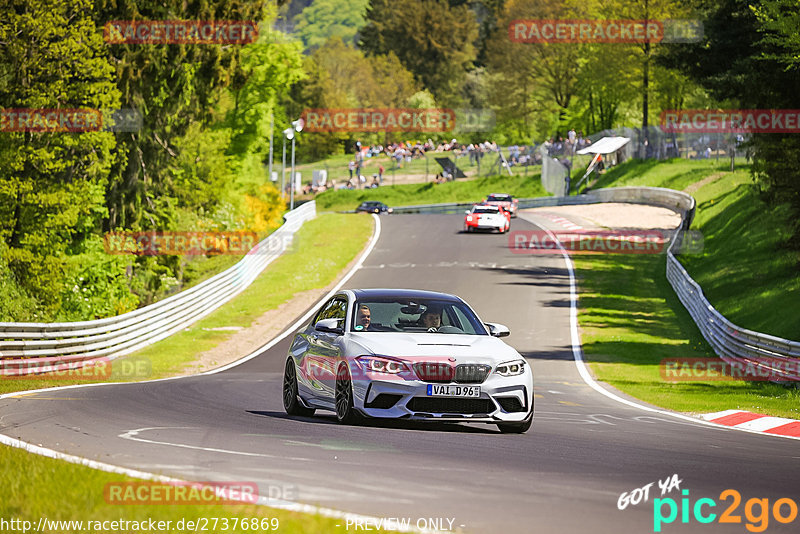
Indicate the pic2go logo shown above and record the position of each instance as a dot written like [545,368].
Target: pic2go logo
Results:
[756,511]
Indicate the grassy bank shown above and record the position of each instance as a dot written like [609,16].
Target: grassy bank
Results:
[34,487]
[472,190]
[322,248]
[631,319]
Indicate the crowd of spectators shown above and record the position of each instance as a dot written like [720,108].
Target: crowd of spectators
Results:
[406,151]
[566,147]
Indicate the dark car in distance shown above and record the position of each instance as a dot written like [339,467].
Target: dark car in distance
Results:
[373,206]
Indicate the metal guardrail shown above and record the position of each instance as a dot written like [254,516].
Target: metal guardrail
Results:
[27,348]
[460,207]
[765,354]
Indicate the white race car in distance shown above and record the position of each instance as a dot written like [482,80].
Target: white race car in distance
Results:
[407,354]
[485,217]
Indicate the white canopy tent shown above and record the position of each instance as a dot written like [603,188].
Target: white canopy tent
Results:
[603,146]
[606,145]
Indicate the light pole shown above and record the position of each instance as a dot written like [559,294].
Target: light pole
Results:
[271,135]
[296,126]
[288,133]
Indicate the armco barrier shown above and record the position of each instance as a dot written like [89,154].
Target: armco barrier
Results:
[27,347]
[765,353]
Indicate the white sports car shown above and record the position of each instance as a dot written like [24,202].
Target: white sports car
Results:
[407,354]
[485,217]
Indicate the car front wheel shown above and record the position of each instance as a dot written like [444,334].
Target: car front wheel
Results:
[345,412]
[291,402]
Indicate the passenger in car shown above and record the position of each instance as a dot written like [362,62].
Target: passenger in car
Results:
[364,317]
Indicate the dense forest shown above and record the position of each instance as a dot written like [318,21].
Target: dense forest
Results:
[199,158]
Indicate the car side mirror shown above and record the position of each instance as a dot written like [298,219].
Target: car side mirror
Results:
[329,325]
[498,330]
[466,212]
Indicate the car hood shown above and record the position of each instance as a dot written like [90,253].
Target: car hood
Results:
[484,349]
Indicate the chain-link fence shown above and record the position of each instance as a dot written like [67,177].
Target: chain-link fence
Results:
[653,143]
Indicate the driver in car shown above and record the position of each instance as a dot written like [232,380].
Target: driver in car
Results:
[431,319]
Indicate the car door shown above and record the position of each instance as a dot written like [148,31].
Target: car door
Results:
[324,350]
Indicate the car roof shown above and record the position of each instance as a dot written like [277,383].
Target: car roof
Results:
[486,206]
[372,202]
[499,195]
[403,293]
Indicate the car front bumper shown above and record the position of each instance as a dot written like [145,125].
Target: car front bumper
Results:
[486,225]
[502,400]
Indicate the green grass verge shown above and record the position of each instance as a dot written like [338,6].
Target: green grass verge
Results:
[473,190]
[631,318]
[322,248]
[34,487]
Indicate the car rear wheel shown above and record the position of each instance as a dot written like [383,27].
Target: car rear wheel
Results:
[291,402]
[517,428]
[345,412]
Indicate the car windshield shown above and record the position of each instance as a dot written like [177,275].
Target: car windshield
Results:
[499,198]
[415,315]
[485,210]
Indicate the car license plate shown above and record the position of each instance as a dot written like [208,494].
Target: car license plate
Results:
[441,390]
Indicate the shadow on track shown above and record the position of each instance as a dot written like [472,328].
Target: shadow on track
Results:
[419,426]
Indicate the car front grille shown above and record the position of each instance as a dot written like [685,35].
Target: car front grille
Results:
[450,405]
[437,372]
[472,373]
[444,373]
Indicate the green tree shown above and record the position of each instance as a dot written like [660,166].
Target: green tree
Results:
[172,85]
[324,19]
[533,84]
[340,76]
[746,57]
[433,40]
[51,183]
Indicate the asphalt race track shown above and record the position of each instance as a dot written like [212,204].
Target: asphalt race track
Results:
[563,476]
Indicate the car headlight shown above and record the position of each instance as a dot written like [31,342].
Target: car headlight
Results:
[469,218]
[517,367]
[377,364]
